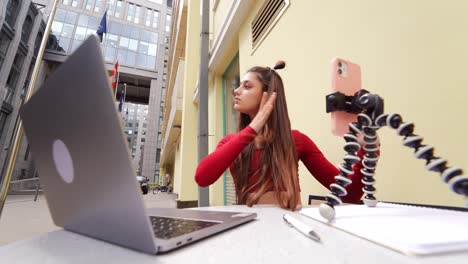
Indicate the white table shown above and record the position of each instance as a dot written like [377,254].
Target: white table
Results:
[265,240]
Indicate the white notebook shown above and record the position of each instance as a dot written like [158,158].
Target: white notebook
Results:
[407,229]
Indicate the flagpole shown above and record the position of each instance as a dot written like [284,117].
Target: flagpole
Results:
[18,132]
[117,85]
[125,92]
[125,95]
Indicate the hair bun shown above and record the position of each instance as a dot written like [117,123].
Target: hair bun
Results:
[279,65]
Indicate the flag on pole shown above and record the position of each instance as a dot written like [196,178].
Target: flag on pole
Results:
[102,26]
[113,75]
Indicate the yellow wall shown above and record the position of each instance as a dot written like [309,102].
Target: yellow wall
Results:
[219,14]
[412,53]
[177,171]
[188,189]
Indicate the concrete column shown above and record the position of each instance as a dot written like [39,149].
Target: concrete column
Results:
[151,144]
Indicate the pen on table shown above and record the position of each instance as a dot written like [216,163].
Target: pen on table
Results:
[301,227]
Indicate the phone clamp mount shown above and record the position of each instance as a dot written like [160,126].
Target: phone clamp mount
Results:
[371,117]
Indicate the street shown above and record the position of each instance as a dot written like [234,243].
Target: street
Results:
[23,218]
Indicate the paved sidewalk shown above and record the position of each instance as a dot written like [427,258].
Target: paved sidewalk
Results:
[22,218]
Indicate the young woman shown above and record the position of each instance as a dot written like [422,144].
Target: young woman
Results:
[263,156]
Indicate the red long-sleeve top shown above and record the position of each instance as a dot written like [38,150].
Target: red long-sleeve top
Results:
[213,166]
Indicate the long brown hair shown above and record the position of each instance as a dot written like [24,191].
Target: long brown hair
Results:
[279,163]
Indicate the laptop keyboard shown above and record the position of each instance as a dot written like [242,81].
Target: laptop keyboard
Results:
[167,228]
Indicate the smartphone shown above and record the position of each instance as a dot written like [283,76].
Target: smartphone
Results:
[346,78]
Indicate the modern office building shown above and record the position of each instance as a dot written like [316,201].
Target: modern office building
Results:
[135,119]
[137,38]
[21,30]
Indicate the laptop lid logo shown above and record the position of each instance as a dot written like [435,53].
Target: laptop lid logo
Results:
[63,161]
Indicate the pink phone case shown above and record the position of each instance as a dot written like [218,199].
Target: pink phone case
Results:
[347,82]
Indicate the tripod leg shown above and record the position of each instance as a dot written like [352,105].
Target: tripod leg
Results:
[369,163]
[338,189]
[453,176]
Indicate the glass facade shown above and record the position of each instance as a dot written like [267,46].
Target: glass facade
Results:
[135,127]
[63,28]
[131,46]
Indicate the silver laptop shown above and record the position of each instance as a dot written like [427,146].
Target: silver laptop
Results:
[79,149]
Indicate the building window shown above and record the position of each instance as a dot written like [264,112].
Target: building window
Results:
[130,12]
[130,45]
[28,79]
[37,43]
[111,7]
[149,14]
[118,9]
[99,4]
[64,34]
[90,22]
[26,31]
[13,76]
[87,25]
[12,11]
[94,5]
[90,4]
[137,15]
[74,3]
[155,18]
[3,119]
[65,16]
[5,41]
[168,23]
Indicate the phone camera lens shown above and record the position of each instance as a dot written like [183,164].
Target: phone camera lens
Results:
[340,71]
[340,64]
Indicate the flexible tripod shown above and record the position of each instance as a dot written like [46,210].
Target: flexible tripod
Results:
[371,117]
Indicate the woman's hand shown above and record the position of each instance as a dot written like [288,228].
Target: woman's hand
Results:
[264,111]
